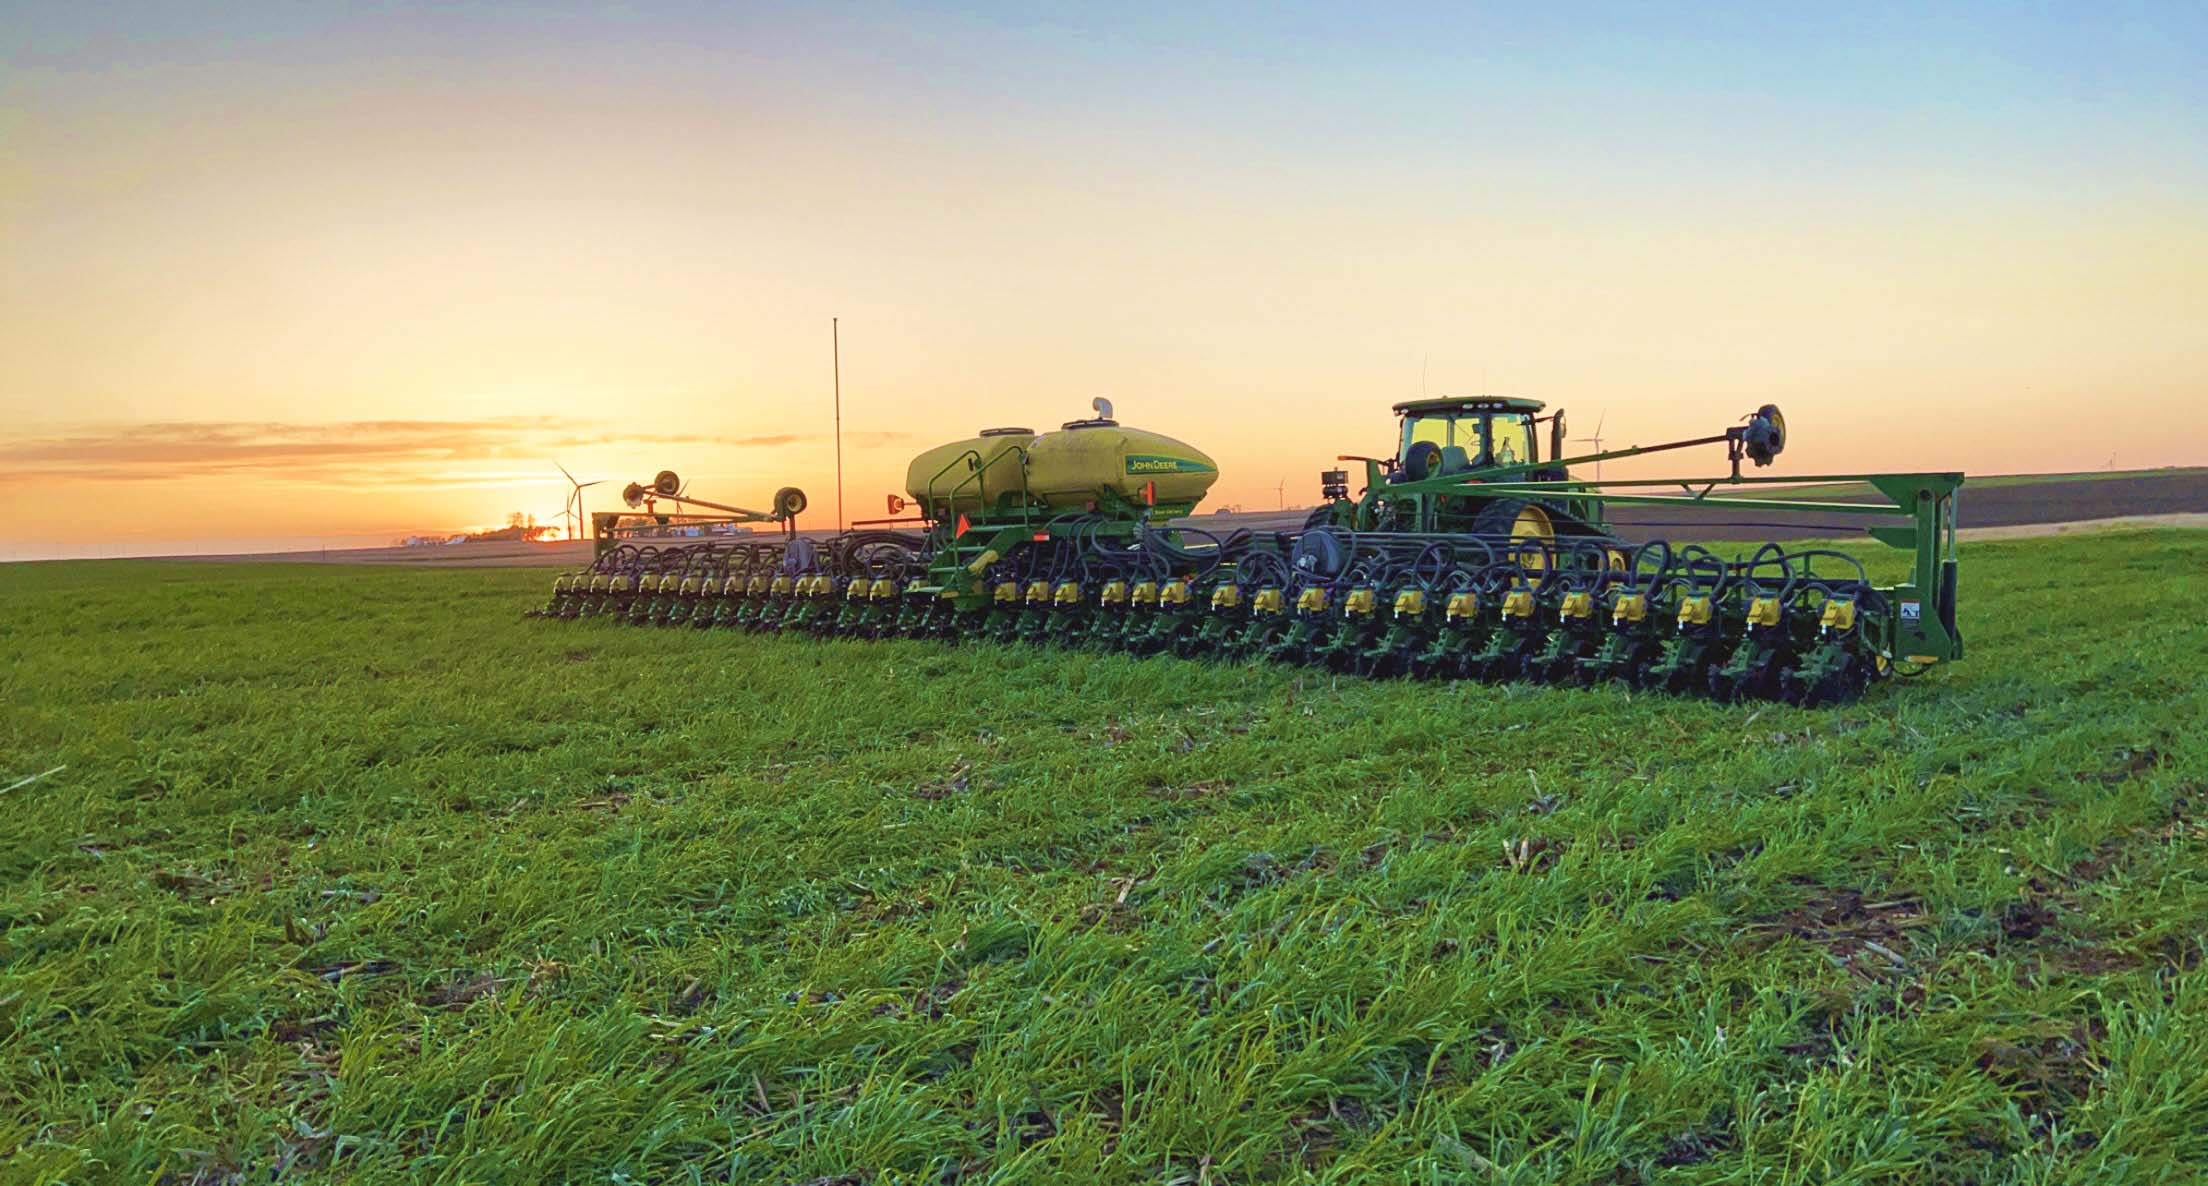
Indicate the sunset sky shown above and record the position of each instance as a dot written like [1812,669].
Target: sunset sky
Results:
[294,274]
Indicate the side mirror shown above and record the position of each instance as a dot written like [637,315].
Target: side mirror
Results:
[1556,436]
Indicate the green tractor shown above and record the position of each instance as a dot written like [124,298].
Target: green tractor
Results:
[1442,443]
[1450,449]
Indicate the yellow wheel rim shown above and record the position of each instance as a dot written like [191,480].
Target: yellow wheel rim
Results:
[1533,523]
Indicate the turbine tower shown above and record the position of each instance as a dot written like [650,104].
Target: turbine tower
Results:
[573,511]
[1596,441]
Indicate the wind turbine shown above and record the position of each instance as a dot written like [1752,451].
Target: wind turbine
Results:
[1596,441]
[573,511]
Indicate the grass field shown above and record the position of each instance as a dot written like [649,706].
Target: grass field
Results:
[356,875]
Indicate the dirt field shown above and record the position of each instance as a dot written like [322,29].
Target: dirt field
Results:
[2005,508]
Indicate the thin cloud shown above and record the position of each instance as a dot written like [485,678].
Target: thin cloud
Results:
[345,452]
[766,441]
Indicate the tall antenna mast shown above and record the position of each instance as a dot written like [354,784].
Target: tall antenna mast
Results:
[835,347]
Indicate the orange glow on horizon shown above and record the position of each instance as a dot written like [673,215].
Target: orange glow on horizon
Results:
[275,283]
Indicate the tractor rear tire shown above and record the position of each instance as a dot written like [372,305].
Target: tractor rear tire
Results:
[1500,517]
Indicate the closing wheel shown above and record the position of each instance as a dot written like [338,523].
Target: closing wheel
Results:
[1843,685]
[1383,665]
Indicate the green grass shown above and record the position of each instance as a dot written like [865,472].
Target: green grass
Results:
[355,875]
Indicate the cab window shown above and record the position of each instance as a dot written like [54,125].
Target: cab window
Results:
[1435,430]
[1445,431]
[1513,440]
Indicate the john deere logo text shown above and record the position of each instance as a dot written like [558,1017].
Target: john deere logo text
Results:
[1141,464]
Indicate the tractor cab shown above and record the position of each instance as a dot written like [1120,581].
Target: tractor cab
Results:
[1441,437]
[1477,464]
[1446,450]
